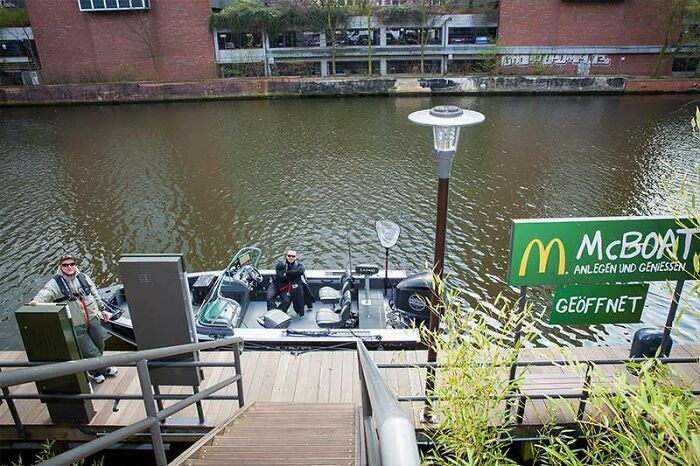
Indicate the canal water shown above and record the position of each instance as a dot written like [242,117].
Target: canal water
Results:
[207,178]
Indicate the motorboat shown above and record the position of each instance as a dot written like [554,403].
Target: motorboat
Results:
[381,306]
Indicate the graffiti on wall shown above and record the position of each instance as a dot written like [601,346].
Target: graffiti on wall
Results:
[522,61]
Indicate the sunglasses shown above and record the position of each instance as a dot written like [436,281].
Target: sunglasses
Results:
[68,264]
[291,255]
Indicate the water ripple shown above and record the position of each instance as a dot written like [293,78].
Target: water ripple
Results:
[204,179]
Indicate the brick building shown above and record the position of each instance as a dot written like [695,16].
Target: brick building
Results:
[172,40]
[120,40]
[583,36]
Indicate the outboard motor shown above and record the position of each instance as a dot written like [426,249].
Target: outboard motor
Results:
[412,298]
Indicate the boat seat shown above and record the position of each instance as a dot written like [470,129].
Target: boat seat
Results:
[328,318]
[275,318]
[329,295]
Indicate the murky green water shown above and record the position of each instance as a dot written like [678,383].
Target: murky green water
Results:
[206,178]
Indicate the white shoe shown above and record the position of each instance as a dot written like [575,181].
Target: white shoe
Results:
[99,378]
[111,371]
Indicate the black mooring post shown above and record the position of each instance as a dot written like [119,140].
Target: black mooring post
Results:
[672,314]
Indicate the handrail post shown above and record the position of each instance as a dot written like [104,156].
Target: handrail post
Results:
[200,410]
[13,412]
[239,383]
[150,405]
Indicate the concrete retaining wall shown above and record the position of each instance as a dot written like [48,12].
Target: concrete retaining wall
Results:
[247,88]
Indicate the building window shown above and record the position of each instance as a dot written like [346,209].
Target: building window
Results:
[480,36]
[298,39]
[12,48]
[296,68]
[354,37]
[411,36]
[113,5]
[239,40]
[348,68]
[412,66]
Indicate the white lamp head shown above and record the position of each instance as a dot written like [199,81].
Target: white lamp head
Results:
[446,121]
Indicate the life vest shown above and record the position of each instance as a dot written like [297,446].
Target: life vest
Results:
[68,295]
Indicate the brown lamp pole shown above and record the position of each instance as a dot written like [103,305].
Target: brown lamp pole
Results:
[446,120]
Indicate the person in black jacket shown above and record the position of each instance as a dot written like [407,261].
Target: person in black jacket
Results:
[288,283]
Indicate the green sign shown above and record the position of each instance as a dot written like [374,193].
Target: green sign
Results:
[601,250]
[598,304]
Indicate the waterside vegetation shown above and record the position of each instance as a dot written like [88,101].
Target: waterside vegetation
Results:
[647,416]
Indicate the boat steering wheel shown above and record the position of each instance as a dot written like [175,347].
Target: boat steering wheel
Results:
[252,273]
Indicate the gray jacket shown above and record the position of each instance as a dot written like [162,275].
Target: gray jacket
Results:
[51,292]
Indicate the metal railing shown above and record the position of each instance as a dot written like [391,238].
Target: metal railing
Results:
[141,359]
[390,436]
[521,398]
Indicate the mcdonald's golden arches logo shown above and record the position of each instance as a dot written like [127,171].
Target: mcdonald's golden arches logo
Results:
[544,255]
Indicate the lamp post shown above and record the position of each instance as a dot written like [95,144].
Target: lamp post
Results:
[446,121]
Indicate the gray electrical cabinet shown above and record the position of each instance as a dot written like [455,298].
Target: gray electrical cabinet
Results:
[161,311]
[48,336]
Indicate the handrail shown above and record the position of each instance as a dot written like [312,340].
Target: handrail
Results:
[396,436]
[522,398]
[153,416]
[49,371]
[541,363]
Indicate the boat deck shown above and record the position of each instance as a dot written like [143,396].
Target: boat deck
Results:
[371,315]
[312,376]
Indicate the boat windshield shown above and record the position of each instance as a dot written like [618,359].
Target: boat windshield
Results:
[219,313]
[246,256]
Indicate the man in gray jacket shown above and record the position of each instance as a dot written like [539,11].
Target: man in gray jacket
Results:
[73,286]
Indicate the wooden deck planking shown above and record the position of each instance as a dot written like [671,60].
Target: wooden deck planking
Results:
[323,377]
[280,433]
[290,380]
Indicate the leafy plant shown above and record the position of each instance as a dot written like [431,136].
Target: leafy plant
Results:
[652,420]
[246,16]
[472,385]
[13,17]
[47,453]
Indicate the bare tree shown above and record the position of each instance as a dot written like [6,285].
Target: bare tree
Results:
[142,31]
[671,36]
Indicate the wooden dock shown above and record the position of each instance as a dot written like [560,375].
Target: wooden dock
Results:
[317,376]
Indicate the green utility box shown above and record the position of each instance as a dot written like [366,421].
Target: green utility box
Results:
[48,336]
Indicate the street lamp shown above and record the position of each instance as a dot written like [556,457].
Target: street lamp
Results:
[446,121]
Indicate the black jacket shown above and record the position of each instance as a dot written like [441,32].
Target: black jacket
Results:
[286,272]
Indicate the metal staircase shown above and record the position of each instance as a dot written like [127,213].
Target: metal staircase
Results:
[281,434]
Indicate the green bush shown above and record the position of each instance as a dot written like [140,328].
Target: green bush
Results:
[648,416]
[242,70]
[652,420]
[13,17]
[472,386]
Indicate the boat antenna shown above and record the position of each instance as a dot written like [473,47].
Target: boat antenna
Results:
[347,239]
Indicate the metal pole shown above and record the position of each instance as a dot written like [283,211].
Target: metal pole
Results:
[200,410]
[159,402]
[386,270]
[150,405]
[436,301]
[672,314]
[239,383]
